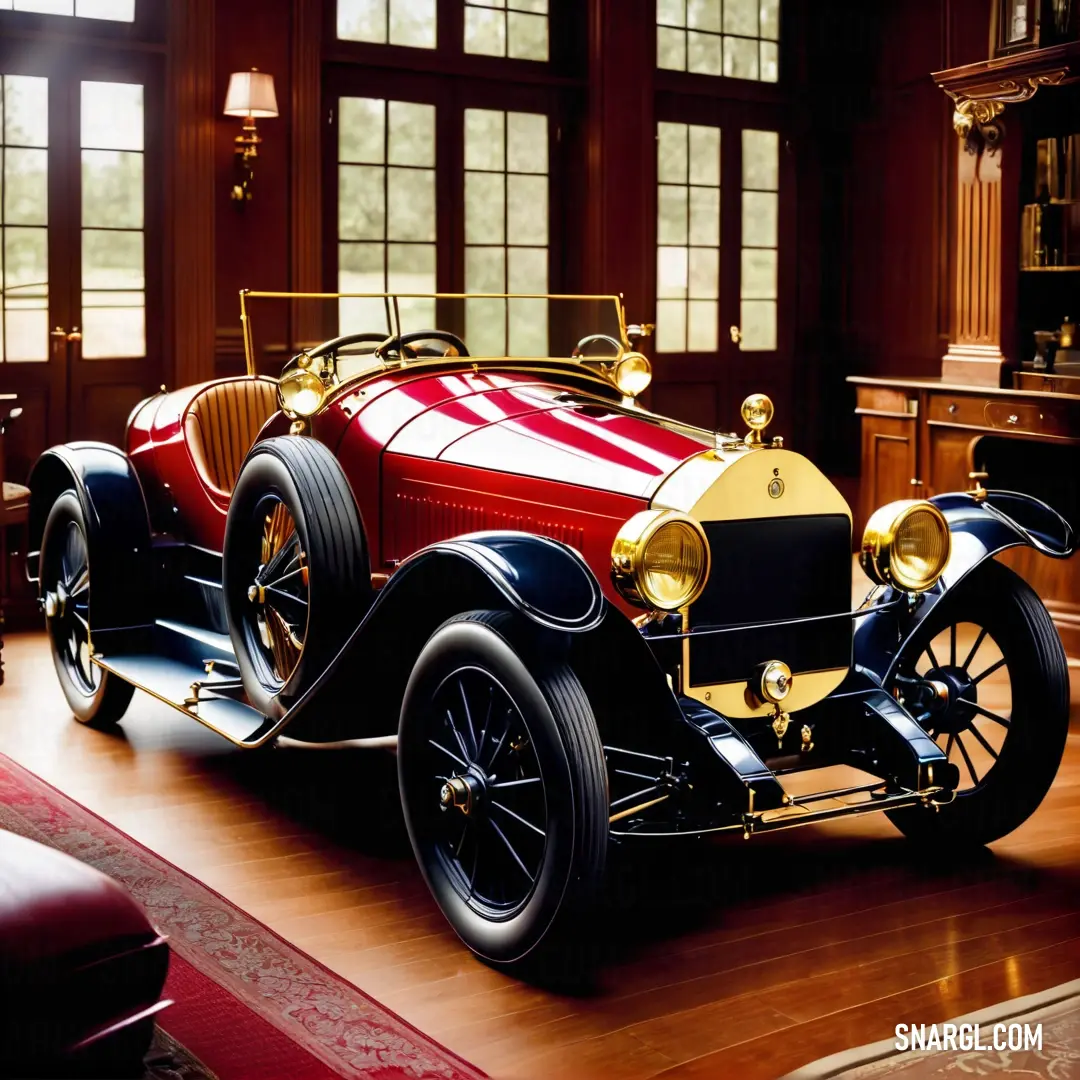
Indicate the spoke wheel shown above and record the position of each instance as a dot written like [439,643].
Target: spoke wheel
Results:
[986,676]
[492,808]
[960,690]
[504,787]
[96,697]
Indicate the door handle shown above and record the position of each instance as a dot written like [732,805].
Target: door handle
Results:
[736,334]
[75,335]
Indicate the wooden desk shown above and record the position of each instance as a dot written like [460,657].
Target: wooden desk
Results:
[921,437]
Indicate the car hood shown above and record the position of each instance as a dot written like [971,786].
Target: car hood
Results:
[533,428]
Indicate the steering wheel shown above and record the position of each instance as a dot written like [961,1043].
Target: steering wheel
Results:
[401,344]
[585,342]
[334,344]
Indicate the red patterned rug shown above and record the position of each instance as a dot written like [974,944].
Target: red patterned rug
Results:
[247,1003]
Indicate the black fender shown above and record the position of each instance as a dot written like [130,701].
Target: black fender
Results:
[979,531]
[545,581]
[117,523]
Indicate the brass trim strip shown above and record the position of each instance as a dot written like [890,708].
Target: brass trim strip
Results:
[636,809]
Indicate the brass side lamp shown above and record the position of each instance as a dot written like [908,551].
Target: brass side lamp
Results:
[250,95]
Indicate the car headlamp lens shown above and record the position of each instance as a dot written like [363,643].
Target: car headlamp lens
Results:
[906,544]
[632,375]
[660,559]
[301,393]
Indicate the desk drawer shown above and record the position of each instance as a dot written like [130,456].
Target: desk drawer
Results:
[1002,414]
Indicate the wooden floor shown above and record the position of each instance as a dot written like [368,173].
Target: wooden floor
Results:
[720,959]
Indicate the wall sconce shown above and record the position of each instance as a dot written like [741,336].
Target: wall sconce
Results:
[250,95]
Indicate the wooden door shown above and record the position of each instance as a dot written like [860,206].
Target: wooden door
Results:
[82,251]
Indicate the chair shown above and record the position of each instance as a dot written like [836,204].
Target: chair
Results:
[14,511]
[221,425]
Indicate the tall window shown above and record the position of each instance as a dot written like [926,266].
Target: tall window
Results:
[388,22]
[760,238]
[688,238]
[735,38]
[113,10]
[24,317]
[113,252]
[386,208]
[514,28]
[506,230]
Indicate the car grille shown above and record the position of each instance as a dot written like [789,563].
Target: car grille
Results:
[765,571]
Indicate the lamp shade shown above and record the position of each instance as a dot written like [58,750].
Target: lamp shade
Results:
[251,93]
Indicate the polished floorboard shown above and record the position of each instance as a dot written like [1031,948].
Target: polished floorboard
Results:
[719,959]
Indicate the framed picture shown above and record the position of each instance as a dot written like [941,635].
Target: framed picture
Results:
[1019,25]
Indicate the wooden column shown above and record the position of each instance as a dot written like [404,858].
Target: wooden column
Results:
[190,192]
[974,354]
[305,188]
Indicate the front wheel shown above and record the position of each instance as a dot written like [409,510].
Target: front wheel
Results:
[503,785]
[987,677]
[97,698]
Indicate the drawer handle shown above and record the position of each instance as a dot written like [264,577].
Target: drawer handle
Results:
[954,409]
[1013,418]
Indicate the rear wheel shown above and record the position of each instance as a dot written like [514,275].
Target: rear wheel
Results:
[503,786]
[987,677]
[97,698]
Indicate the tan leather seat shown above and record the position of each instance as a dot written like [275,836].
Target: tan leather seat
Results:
[221,425]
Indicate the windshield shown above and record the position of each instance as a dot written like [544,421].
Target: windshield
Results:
[277,325]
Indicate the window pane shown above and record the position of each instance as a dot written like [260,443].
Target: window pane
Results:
[527,271]
[412,134]
[759,219]
[704,55]
[671,153]
[528,37]
[705,216]
[704,155]
[26,187]
[670,49]
[26,111]
[704,273]
[770,61]
[526,209]
[741,17]
[411,268]
[486,323]
[671,12]
[484,139]
[360,268]
[113,324]
[703,14]
[410,204]
[759,274]
[672,269]
[670,326]
[112,260]
[770,19]
[361,203]
[360,129]
[526,142]
[112,116]
[485,212]
[46,7]
[485,32]
[672,214]
[701,326]
[485,269]
[528,325]
[758,324]
[112,189]
[740,58]
[362,20]
[412,22]
[761,160]
[116,10]
[26,266]
[26,330]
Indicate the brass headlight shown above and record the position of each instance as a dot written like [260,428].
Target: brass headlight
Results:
[632,374]
[660,559]
[906,544]
[301,393]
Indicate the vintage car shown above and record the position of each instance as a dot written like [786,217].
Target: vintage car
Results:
[586,624]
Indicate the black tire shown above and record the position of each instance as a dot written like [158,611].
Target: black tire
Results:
[323,587]
[993,802]
[97,698]
[538,724]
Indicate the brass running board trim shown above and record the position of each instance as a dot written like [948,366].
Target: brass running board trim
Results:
[188,710]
